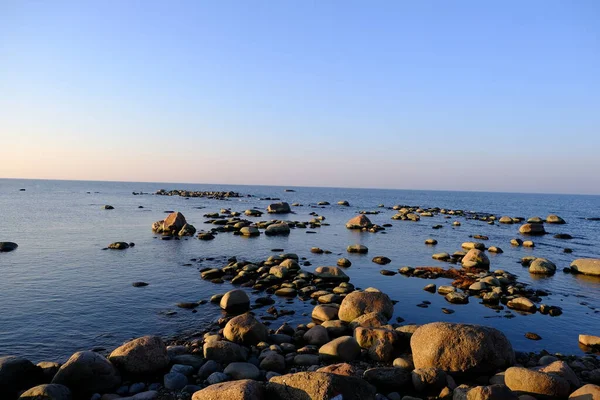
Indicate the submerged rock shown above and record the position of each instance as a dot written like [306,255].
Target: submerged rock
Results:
[7,246]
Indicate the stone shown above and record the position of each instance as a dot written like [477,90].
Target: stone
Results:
[589,340]
[357,248]
[86,372]
[273,362]
[387,379]
[461,349]
[278,229]
[318,386]
[174,222]
[317,335]
[245,329]
[141,356]
[457,298]
[491,392]
[532,229]
[586,392]
[344,348]
[536,383]
[563,370]
[249,231]
[49,369]
[373,319]
[522,304]
[542,266]
[245,389]
[344,369]
[175,381]
[403,363]
[242,370]
[224,352]
[381,260]
[18,373]
[586,266]
[358,303]
[430,380]
[235,301]
[359,222]
[441,256]
[47,392]
[324,312]
[475,258]
[344,262]
[217,377]
[279,208]
[306,360]
[505,220]
[191,360]
[554,219]
[7,246]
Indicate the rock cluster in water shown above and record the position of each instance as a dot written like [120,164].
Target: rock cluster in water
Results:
[190,193]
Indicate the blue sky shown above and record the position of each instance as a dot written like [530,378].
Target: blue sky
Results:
[465,95]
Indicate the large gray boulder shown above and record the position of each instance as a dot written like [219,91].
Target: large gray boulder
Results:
[586,266]
[357,303]
[16,374]
[318,386]
[461,349]
[245,389]
[86,373]
[47,392]
[141,356]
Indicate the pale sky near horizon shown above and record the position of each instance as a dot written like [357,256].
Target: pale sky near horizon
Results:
[463,95]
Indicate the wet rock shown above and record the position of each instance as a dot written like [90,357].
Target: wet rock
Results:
[47,392]
[108,207]
[532,229]
[505,220]
[357,303]
[245,329]
[564,236]
[533,336]
[343,203]
[495,249]
[476,259]
[86,373]
[431,242]
[279,229]
[245,389]
[325,312]
[139,284]
[279,208]
[586,266]
[430,288]
[250,231]
[516,242]
[528,243]
[357,248]
[589,340]
[381,260]
[441,256]
[522,304]
[145,355]
[359,222]
[318,386]
[542,266]
[343,262]
[461,348]
[235,300]
[457,298]
[331,274]
[206,236]
[554,219]
[7,246]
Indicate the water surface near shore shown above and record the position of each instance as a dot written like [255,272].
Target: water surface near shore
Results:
[62,293]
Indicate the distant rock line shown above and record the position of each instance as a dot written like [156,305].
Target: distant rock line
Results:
[219,195]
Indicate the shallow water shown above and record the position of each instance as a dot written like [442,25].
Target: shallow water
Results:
[62,293]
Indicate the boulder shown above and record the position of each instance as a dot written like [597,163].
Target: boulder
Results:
[563,370]
[245,389]
[242,370]
[174,222]
[278,229]
[542,266]
[250,231]
[554,219]
[318,386]
[586,266]
[357,248]
[325,312]
[476,258]
[535,383]
[141,356]
[317,335]
[16,374]
[589,340]
[47,392]
[245,329]
[224,352]
[7,246]
[344,348]
[273,362]
[331,274]
[86,372]
[235,301]
[522,304]
[279,208]
[532,229]
[505,220]
[118,246]
[491,392]
[359,222]
[586,392]
[461,349]
[358,303]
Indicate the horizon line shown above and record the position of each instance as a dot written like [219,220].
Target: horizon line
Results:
[298,186]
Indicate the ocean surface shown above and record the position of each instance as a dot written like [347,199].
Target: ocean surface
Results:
[61,293]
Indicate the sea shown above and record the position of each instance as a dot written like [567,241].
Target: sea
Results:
[62,293]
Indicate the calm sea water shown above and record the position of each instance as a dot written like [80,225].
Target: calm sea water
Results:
[61,293]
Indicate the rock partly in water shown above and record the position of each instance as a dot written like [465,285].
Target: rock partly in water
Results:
[279,208]
[245,329]
[236,300]
[358,303]
[7,246]
[359,222]
[586,266]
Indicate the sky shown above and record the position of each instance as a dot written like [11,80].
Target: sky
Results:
[449,95]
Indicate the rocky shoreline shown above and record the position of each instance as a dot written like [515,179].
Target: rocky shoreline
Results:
[348,348]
